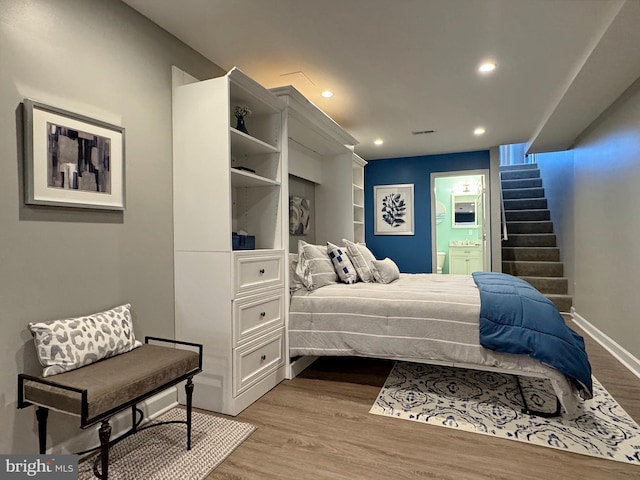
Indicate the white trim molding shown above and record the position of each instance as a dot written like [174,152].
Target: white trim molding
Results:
[627,359]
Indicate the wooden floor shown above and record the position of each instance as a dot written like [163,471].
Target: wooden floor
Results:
[317,426]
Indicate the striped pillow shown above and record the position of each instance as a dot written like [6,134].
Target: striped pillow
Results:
[344,267]
[362,260]
[315,268]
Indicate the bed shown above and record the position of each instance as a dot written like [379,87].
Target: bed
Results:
[426,318]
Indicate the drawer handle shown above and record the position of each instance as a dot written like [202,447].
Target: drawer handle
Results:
[263,358]
[261,271]
[262,314]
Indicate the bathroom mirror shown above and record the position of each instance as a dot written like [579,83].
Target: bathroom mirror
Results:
[464,211]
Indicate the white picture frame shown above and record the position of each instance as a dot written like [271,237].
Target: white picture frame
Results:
[72,160]
[393,209]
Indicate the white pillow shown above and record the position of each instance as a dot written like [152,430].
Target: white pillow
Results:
[315,268]
[342,264]
[385,271]
[362,259]
[64,345]
[295,283]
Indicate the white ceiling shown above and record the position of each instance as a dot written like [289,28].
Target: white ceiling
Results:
[398,66]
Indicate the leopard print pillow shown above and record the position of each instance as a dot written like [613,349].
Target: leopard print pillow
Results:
[64,345]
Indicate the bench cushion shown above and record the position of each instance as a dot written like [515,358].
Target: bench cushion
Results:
[113,382]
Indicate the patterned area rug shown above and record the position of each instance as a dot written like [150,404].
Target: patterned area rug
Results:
[491,404]
[160,453]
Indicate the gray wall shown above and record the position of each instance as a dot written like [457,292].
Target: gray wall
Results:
[602,222]
[556,171]
[103,59]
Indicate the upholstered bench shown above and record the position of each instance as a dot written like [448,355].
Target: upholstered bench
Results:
[98,390]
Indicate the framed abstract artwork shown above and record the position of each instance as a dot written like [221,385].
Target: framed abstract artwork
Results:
[299,215]
[393,209]
[72,160]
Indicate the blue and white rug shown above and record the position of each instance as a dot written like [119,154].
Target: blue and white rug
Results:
[490,403]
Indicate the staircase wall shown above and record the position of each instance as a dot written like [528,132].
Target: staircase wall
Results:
[556,173]
[531,251]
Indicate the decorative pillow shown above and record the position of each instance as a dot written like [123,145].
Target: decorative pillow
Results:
[342,264]
[314,266]
[64,345]
[362,259]
[295,282]
[385,271]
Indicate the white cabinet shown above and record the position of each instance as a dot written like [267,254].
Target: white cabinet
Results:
[358,198]
[322,152]
[464,260]
[225,180]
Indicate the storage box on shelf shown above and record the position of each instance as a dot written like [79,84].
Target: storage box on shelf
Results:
[227,181]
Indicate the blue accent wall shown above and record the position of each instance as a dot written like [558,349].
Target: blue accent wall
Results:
[412,253]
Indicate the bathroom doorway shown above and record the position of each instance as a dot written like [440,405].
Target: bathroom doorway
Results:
[460,222]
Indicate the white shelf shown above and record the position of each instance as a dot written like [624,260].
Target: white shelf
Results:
[358,187]
[243,144]
[242,178]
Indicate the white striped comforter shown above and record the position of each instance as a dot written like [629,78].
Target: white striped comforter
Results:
[425,318]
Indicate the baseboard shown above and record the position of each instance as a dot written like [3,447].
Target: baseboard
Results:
[120,423]
[623,356]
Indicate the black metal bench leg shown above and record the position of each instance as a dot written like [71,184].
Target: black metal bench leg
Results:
[188,388]
[105,434]
[41,414]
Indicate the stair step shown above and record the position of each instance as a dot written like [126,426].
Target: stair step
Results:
[527,215]
[520,173]
[531,240]
[536,192]
[562,302]
[533,269]
[525,204]
[543,254]
[529,227]
[521,183]
[555,285]
[519,166]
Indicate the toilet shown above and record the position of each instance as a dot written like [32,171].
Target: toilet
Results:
[440,264]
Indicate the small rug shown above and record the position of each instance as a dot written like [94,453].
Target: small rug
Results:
[490,403]
[160,453]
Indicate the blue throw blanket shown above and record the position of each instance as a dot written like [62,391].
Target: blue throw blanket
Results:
[516,318]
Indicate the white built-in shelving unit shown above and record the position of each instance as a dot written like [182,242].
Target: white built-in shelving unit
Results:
[225,180]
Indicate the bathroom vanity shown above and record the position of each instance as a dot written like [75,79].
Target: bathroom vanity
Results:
[465,259]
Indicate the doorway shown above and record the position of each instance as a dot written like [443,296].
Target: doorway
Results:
[460,222]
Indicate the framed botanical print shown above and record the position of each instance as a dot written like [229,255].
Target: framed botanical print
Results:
[393,209]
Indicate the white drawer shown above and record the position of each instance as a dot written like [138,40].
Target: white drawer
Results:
[255,314]
[254,272]
[470,252]
[257,359]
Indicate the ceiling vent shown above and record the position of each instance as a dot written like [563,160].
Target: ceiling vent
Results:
[422,132]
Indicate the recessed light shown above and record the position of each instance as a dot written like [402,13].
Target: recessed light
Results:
[487,67]
[327,94]
[479,131]
[378,141]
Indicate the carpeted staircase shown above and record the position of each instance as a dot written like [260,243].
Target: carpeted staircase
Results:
[531,252]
